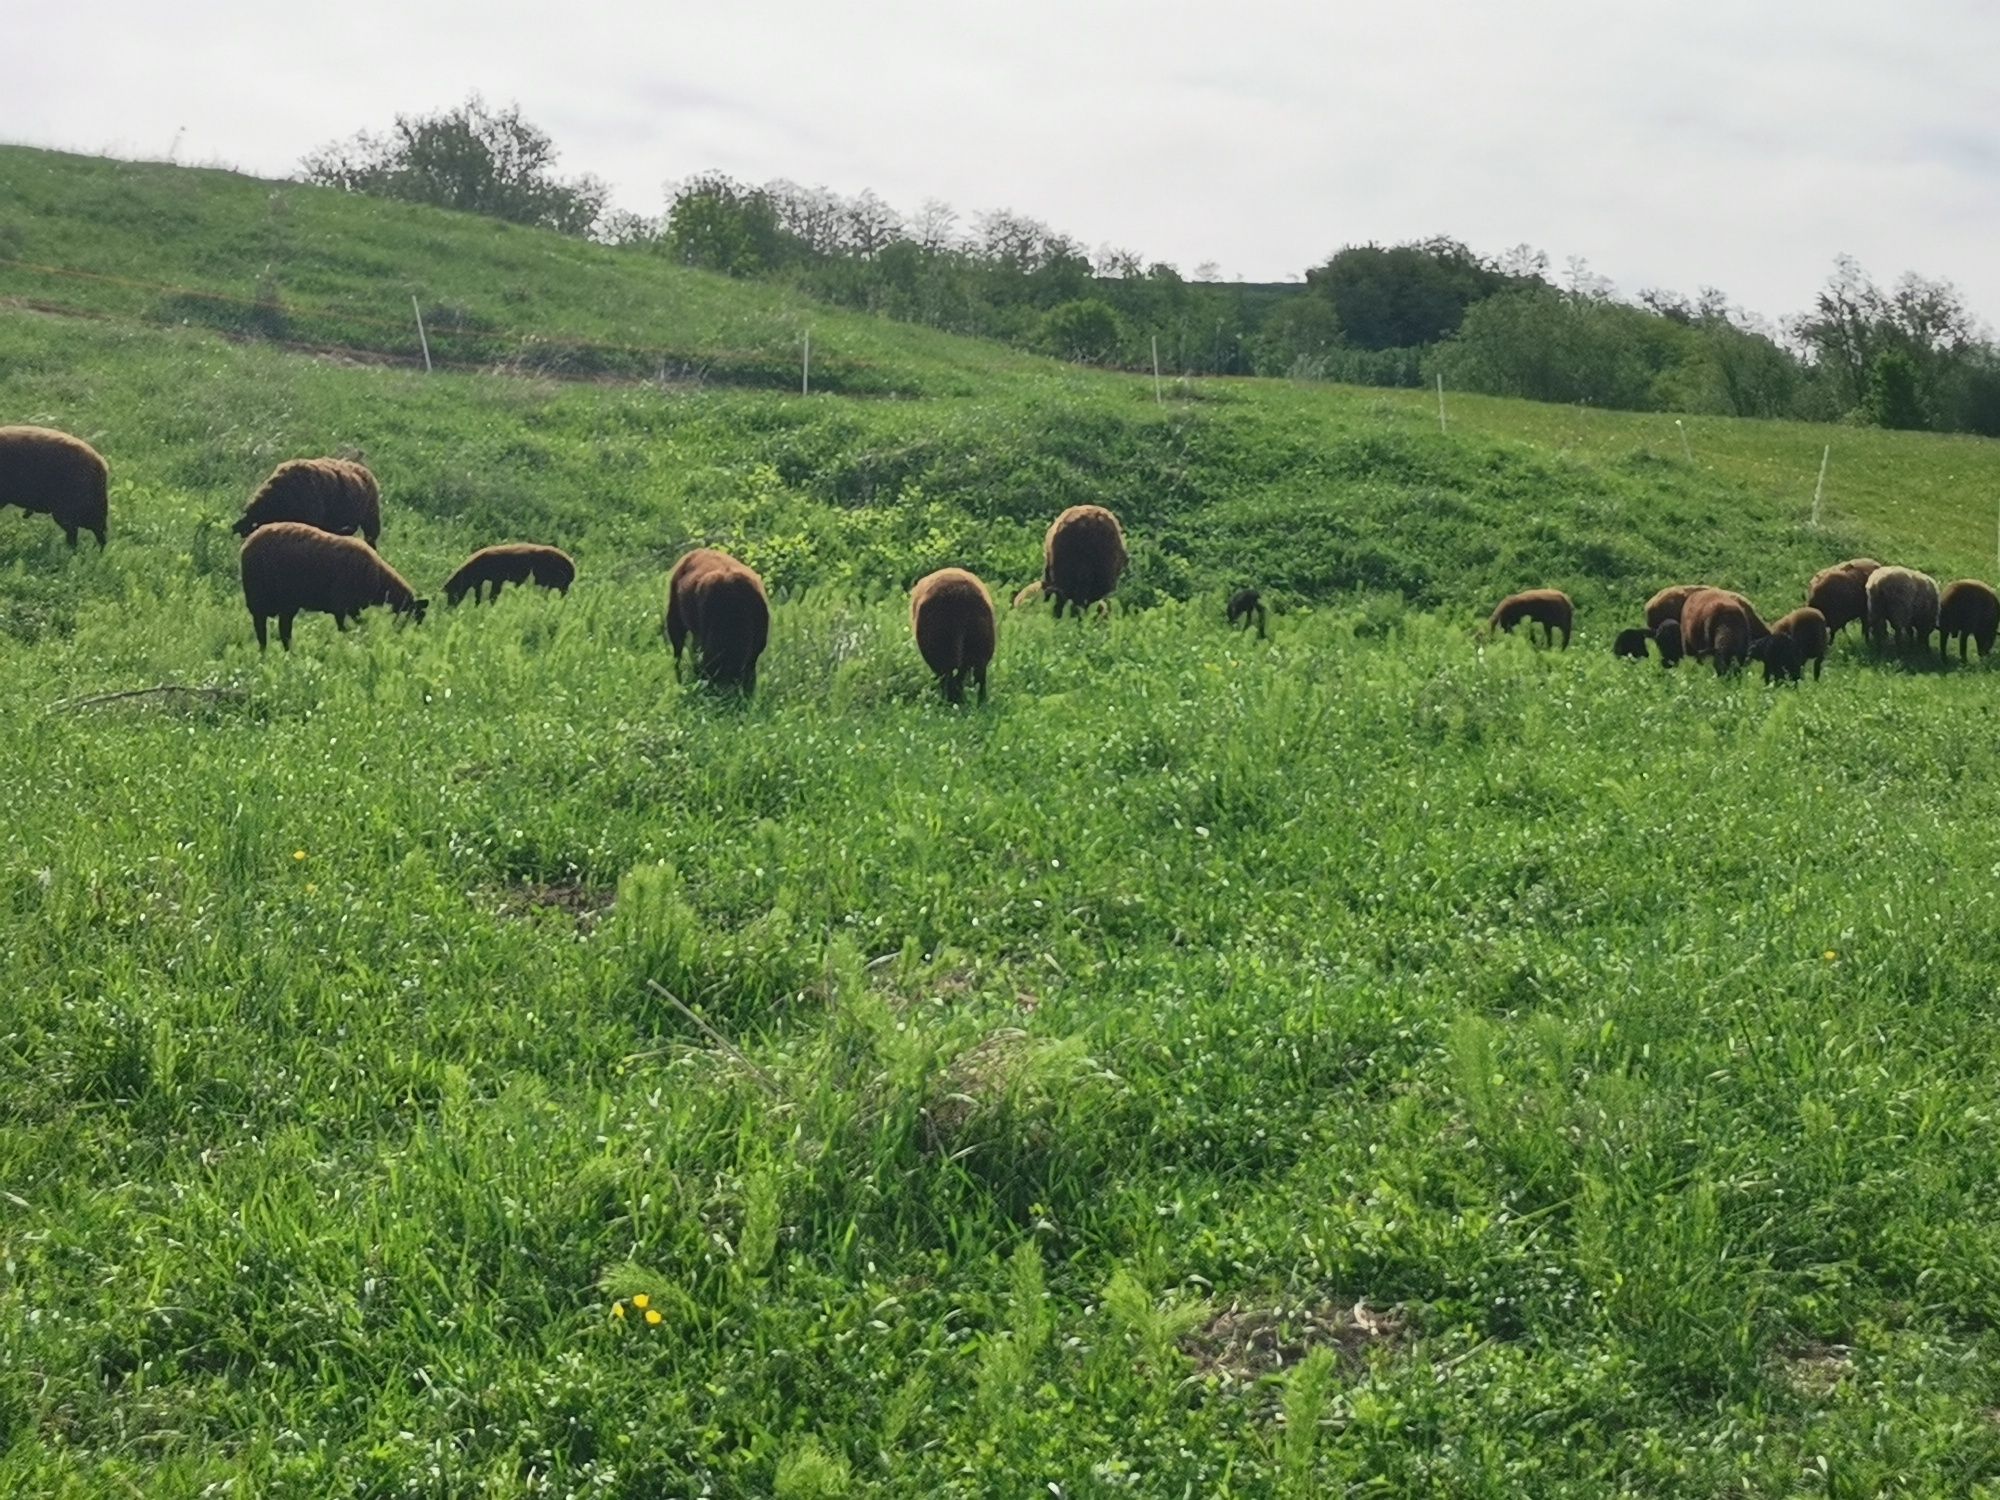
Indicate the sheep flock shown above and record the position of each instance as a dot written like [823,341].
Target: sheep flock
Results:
[311,532]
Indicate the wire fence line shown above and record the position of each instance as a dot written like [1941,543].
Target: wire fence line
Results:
[457,343]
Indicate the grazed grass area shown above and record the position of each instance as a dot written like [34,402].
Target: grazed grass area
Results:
[1356,1062]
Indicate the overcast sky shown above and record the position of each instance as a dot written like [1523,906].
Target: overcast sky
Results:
[1736,143]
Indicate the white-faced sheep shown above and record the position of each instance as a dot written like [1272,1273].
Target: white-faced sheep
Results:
[1716,622]
[50,473]
[1083,555]
[1796,639]
[1904,601]
[511,562]
[1969,610]
[720,603]
[332,494]
[1548,608]
[290,568]
[951,616]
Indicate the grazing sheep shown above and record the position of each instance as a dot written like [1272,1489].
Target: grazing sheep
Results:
[1716,622]
[332,494]
[1666,605]
[1632,643]
[1082,556]
[1840,594]
[1798,638]
[289,567]
[952,618]
[1969,610]
[1862,565]
[1548,608]
[1667,636]
[50,473]
[1245,603]
[720,602]
[512,562]
[1902,600]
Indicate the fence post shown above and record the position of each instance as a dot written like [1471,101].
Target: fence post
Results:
[1158,399]
[422,338]
[806,368]
[1441,426]
[1825,454]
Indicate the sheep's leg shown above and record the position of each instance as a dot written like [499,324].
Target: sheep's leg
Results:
[979,676]
[259,621]
[1260,623]
[676,632]
[285,630]
[340,622]
[1818,662]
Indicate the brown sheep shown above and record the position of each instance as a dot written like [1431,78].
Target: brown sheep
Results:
[1841,594]
[1082,557]
[332,494]
[1548,608]
[512,562]
[1902,600]
[1715,622]
[1245,604]
[1667,636]
[50,473]
[1969,610]
[289,567]
[1798,638]
[952,619]
[1632,643]
[1666,605]
[720,602]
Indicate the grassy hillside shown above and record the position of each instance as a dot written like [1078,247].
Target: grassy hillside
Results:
[1356,1062]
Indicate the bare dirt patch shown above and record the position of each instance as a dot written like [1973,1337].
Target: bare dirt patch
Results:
[1242,1345]
[585,905]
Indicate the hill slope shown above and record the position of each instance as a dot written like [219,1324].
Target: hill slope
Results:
[1352,1062]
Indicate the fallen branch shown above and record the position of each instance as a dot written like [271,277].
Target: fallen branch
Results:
[769,1083]
[213,692]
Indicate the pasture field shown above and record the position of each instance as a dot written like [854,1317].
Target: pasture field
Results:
[1353,1063]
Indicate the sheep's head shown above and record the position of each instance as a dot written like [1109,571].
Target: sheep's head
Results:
[414,608]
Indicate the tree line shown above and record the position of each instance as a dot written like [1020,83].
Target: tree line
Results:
[1911,355]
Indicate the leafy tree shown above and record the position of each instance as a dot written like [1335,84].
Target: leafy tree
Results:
[1087,331]
[471,158]
[1894,399]
[719,224]
[1394,297]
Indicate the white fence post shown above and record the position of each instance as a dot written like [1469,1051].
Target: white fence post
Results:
[1825,455]
[1441,426]
[421,337]
[1158,399]
[806,368]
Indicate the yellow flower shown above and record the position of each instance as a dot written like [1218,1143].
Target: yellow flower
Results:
[642,1302]
[1831,955]
[310,887]
[652,1315]
[298,854]
[618,1309]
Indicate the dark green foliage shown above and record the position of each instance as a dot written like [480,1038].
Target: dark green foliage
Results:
[1085,332]
[1397,296]
[1894,399]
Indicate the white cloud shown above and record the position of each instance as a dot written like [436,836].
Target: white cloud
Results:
[1733,144]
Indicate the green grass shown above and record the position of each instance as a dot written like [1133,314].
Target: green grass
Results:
[1620,1041]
